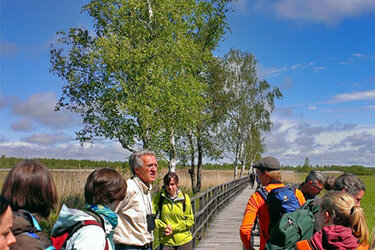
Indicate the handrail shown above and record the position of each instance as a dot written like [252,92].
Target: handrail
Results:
[208,204]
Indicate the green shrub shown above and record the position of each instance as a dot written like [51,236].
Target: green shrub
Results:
[359,170]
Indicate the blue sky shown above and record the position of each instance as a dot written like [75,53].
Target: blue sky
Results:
[320,53]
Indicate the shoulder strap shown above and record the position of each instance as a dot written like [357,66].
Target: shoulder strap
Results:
[160,204]
[97,217]
[99,221]
[263,192]
[84,224]
[184,203]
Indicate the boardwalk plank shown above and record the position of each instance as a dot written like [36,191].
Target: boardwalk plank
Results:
[223,232]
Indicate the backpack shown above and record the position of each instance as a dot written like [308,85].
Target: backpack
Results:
[293,227]
[280,201]
[60,238]
[161,200]
[32,231]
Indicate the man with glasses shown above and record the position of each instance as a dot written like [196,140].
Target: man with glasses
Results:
[135,215]
[313,184]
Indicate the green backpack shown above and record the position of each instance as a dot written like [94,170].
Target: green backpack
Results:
[293,227]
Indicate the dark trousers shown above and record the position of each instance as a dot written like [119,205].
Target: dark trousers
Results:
[130,247]
[187,246]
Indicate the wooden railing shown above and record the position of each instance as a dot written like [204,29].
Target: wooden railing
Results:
[208,204]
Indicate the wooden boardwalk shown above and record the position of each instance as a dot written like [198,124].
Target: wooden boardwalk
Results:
[223,232]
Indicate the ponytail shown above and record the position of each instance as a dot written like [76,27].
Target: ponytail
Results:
[344,211]
[358,224]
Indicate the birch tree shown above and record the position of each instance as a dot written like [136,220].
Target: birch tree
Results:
[133,76]
[250,107]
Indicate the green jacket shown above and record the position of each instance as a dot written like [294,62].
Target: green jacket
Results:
[172,214]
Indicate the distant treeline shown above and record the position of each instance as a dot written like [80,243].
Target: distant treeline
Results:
[9,162]
[354,169]
[52,163]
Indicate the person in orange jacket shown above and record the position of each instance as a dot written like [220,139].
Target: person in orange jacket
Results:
[268,171]
[344,225]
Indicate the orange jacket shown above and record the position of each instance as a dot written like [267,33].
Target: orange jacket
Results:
[257,207]
[305,245]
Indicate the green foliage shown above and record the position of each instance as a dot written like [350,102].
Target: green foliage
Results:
[355,169]
[136,79]
[52,163]
[251,102]
[359,170]
[367,203]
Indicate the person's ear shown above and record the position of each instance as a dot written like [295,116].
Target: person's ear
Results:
[327,217]
[136,170]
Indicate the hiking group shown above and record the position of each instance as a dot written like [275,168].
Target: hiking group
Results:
[294,217]
[118,214]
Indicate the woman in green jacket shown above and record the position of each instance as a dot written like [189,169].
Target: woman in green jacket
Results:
[176,215]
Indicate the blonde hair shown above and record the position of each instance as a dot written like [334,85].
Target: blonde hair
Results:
[275,175]
[342,207]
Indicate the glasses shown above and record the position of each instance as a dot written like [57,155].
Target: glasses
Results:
[317,187]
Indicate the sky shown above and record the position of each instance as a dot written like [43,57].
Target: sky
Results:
[320,53]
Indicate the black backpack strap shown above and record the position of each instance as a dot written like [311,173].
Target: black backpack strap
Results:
[263,192]
[160,204]
[99,221]
[97,217]
[184,203]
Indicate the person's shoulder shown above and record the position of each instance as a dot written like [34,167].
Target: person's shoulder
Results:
[131,185]
[184,195]
[272,186]
[90,235]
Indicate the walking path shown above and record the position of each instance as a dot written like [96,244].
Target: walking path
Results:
[223,232]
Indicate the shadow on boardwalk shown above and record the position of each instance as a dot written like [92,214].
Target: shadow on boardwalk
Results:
[223,232]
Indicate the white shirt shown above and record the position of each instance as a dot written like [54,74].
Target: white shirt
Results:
[132,211]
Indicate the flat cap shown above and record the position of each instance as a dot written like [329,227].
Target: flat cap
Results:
[268,163]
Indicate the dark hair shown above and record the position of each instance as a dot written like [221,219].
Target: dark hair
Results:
[350,182]
[167,178]
[315,176]
[136,161]
[4,204]
[29,185]
[104,186]
[328,184]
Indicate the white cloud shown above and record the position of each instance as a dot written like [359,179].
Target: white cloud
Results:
[316,69]
[291,141]
[40,107]
[322,11]
[23,124]
[269,72]
[312,107]
[354,96]
[105,151]
[48,139]
[302,65]
[357,55]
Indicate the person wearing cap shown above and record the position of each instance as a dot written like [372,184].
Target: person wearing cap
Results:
[268,172]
